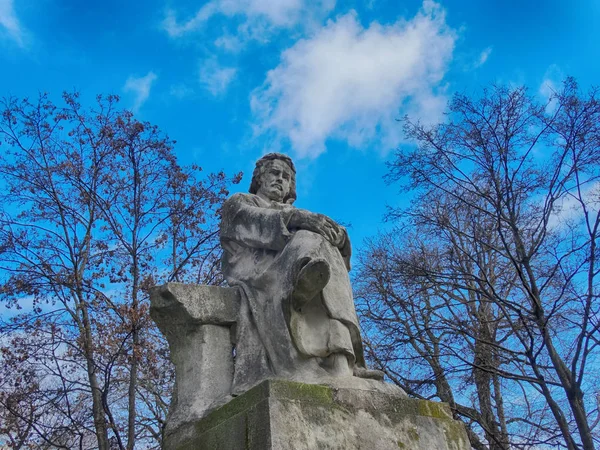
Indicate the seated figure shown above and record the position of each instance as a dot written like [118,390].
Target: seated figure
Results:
[297,318]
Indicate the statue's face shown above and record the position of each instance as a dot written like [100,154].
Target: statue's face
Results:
[275,181]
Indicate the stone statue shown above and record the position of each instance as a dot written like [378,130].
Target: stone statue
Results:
[297,318]
[286,331]
[288,313]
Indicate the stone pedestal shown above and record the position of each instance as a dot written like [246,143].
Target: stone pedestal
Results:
[288,415]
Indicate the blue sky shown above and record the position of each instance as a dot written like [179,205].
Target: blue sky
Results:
[321,80]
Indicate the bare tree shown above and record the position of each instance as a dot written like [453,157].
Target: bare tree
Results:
[501,259]
[95,206]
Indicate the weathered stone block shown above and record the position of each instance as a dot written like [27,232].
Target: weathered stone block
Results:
[180,303]
[196,320]
[288,415]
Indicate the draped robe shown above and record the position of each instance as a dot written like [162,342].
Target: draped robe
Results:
[262,256]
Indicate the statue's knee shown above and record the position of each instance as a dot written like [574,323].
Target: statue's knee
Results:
[308,238]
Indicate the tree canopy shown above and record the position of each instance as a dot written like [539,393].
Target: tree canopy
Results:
[485,295]
[96,210]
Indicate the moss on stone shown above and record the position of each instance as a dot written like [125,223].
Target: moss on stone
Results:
[413,434]
[246,420]
[291,390]
[433,409]
[314,393]
[236,406]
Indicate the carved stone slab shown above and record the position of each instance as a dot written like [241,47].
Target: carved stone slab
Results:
[197,321]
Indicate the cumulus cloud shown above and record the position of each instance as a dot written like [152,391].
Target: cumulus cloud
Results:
[215,78]
[259,17]
[350,83]
[140,87]
[10,23]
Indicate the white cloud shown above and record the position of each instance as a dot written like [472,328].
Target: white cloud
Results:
[259,17]
[568,210]
[550,86]
[140,87]
[229,43]
[483,57]
[281,13]
[348,82]
[175,29]
[180,91]
[215,78]
[10,22]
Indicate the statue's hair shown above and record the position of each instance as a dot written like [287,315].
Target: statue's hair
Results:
[260,167]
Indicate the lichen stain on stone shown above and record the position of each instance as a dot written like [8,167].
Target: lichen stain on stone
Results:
[454,435]
[413,434]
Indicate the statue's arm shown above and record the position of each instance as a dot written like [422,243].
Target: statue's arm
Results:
[326,227]
[252,226]
[302,219]
[247,224]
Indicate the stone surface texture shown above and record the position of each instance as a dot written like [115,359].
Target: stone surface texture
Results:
[285,415]
[196,320]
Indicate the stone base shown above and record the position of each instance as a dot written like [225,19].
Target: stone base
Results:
[288,415]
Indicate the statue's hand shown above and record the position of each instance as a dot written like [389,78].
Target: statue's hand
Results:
[318,223]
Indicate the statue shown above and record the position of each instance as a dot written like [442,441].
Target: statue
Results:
[297,318]
[287,328]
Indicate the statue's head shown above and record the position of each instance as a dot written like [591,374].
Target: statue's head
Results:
[267,168]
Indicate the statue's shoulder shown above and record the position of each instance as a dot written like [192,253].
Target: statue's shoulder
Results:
[241,197]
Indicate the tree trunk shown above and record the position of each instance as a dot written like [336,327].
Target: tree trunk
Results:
[97,408]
